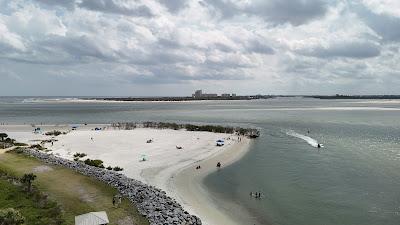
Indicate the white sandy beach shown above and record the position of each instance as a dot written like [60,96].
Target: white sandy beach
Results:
[166,167]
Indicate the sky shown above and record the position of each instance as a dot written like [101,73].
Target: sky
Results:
[173,47]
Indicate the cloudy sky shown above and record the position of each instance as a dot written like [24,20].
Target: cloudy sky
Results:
[171,47]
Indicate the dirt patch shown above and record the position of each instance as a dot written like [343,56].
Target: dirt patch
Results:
[41,169]
[126,221]
[84,195]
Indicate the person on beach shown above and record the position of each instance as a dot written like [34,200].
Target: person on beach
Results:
[119,199]
[219,165]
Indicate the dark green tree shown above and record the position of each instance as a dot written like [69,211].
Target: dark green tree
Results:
[28,179]
[2,136]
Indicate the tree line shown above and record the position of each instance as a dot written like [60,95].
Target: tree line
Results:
[249,132]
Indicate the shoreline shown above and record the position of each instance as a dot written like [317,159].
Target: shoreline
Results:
[192,193]
[168,169]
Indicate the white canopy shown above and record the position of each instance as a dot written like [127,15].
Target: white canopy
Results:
[92,218]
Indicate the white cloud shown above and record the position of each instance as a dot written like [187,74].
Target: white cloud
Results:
[390,7]
[9,40]
[270,45]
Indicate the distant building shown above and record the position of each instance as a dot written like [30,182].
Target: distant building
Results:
[209,95]
[233,95]
[226,95]
[200,94]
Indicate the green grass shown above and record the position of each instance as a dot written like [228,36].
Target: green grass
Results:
[77,194]
[12,196]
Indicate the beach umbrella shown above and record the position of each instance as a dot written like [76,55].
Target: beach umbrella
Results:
[143,158]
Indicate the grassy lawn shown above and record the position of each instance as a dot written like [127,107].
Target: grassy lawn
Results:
[12,196]
[77,194]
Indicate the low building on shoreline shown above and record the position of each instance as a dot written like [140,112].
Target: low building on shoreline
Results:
[198,94]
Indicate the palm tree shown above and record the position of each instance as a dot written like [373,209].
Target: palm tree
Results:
[28,179]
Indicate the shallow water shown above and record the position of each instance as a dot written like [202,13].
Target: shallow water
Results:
[353,180]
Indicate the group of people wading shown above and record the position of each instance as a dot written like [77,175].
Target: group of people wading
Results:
[218,166]
[257,195]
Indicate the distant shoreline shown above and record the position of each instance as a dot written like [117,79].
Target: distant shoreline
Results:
[366,97]
[245,97]
[118,99]
[178,99]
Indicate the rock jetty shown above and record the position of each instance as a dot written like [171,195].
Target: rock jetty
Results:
[150,201]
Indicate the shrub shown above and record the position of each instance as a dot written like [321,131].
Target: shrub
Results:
[95,163]
[79,155]
[11,216]
[249,132]
[38,147]
[109,168]
[9,140]
[53,133]
[117,168]
[19,144]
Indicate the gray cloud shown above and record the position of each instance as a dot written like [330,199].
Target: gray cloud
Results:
[117,7]
[357,50]
[295,12]
[174,5]
[69,4]
[258,47]
[78,47]
[263,45]
[387,26]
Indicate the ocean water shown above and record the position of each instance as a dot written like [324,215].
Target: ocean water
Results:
[353,180]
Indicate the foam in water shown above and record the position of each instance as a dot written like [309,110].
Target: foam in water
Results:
[308,139]
[44,100]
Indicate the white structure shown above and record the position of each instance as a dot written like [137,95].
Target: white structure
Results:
[92,218]
[198,94]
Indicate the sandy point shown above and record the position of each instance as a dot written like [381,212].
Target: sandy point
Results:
[168,161]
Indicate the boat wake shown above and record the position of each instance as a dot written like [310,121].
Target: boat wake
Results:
[308,139]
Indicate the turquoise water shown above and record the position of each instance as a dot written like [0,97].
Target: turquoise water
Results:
[353,180]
